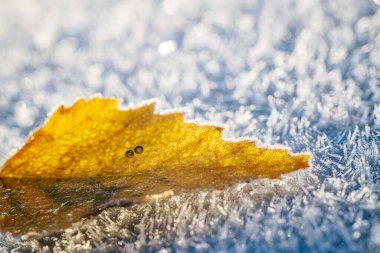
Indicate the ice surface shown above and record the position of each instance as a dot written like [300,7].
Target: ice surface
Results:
[305,74]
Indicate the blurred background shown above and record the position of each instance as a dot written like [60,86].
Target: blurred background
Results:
[305,74]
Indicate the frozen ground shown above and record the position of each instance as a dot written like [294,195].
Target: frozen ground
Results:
[301,73]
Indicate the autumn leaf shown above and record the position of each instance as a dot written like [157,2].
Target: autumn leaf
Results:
[92,155]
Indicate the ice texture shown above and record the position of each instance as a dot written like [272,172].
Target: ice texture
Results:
[305,74]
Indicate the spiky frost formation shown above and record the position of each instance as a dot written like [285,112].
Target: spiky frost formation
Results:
[300,73]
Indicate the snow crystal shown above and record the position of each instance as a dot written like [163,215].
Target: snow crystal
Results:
[304,74]
[167,47]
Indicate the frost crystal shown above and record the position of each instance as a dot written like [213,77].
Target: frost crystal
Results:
[300,73]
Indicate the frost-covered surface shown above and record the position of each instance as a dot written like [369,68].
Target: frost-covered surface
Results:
[305,74]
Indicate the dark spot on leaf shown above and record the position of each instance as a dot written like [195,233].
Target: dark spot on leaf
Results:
[129,153]
[139,149]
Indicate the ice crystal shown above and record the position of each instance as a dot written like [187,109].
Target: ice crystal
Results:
[300,73]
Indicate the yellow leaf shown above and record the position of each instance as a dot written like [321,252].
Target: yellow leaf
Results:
[93,155]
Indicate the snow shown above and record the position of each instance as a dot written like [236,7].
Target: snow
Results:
[305,74]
